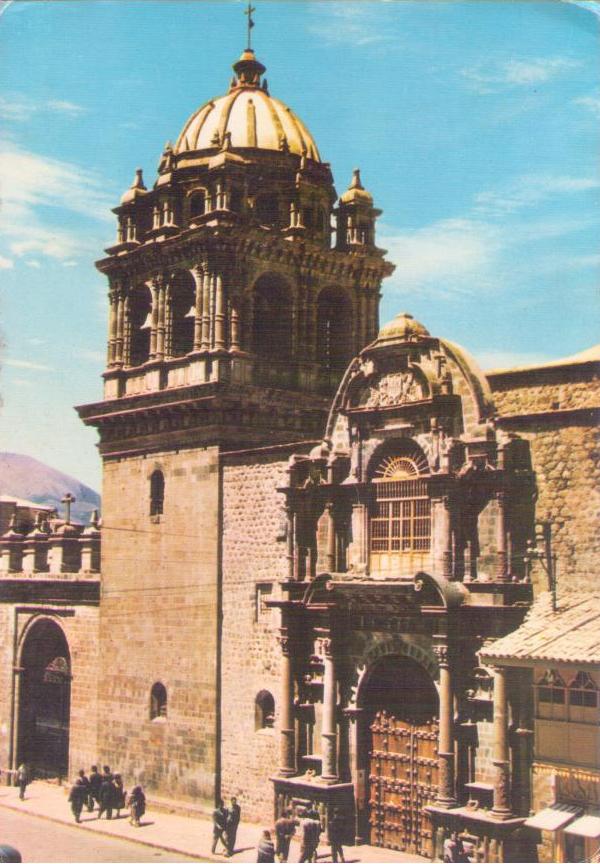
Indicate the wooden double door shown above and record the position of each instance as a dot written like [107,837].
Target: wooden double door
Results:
[403,775]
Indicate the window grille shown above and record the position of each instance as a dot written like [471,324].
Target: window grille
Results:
[551,689]
[401,520]
[583,692]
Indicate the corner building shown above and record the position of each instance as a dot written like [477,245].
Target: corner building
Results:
[232,318]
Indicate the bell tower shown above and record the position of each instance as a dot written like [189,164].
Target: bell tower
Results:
[232,315]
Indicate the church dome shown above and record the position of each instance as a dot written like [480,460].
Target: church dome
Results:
[402,328]
[249,116]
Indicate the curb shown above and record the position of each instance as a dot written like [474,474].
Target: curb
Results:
[151,844]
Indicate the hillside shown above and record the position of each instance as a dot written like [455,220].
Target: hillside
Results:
[26,477]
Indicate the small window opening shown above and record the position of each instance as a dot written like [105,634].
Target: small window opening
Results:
[157,493]
[264,711]
[198,204]
[158,701]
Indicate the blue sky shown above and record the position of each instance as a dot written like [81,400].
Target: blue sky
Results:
[475,126]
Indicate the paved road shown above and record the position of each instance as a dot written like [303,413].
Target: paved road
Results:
[41,840]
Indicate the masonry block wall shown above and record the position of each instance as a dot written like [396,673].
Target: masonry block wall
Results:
[254,560]
[557,409]
[158,623]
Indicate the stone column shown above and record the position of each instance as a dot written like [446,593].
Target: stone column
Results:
[359,537]
[112,328]
[287,730]
[502,560]
[153,288]
[443,538]
[198,275]
[205,343]
[219,313]
[445,797]
[362,321]
[160,321]
[501,760]
[329,726]
[331,539]
[234,325]
[289,516]
[120,332]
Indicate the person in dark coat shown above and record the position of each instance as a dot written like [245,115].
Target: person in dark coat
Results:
[106,796]
[219,818]
[285,828]
[335,832]
[234,814]
[78,795]
[266,850]
[22,779]
[137,805]
[119,794]
[95,781]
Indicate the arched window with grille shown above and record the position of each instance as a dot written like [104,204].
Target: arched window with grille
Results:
[158,701]
[157,492]
[400,523]
[264,710]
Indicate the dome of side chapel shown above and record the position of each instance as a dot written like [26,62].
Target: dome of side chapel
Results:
[250,116]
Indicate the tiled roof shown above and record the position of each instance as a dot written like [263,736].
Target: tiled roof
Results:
[569,635]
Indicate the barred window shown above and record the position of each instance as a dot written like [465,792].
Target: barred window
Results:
[583,692]
[401,519]
[551,688]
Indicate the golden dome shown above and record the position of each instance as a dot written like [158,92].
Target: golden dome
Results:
[402,328]
[249,116]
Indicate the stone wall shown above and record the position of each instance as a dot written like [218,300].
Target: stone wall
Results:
[254,560]
[556,410]
[158,623]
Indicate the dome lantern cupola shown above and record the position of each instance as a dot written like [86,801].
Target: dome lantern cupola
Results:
[248,70]
[356,216]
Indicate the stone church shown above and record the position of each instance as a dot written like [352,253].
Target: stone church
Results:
[319,536]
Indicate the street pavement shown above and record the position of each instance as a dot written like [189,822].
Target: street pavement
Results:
[168,832]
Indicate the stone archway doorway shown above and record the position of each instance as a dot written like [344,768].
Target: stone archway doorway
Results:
[45,701]
[400,710]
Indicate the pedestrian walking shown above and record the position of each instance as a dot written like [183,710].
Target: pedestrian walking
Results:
[219,818]
[335,833]
[95,781]
[22,779]
[266,850]
[119,794]
[311,832]
[285,828]
[78,795]
[234,814]
[106,796]
[137,805]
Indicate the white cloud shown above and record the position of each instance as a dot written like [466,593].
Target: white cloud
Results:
[93,356]
[501,359]
[19,108]
[69,263]
[448,257]
[35,264]
[486,78]
[529,190]
[349,23]
[591,102]
[6,263]
[27,364]
[33,190]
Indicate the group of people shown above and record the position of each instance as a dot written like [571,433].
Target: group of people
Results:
[226,821]
[107,791]
[311,830]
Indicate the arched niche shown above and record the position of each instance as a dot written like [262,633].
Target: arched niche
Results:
[271,318]
[44,700]
[140,324]
[182,313]
[334,326]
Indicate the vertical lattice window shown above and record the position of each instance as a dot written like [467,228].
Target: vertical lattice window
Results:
[551,689]
[583,692]
[157,493]
[401,520]
[158,701]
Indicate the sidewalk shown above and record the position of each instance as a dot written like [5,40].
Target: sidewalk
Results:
[169,831]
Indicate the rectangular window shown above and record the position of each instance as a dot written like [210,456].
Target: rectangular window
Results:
[401,520]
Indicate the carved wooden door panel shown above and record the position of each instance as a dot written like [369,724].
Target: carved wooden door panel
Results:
[403,781]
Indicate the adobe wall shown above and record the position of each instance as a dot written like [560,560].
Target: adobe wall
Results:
[556,410]
[158,623]
[254,554]
[80,626]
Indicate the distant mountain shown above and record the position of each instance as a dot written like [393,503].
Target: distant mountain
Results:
[25,477]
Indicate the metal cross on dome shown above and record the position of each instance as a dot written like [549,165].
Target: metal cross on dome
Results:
[249,12]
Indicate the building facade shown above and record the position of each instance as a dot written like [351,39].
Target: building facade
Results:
[305,556]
